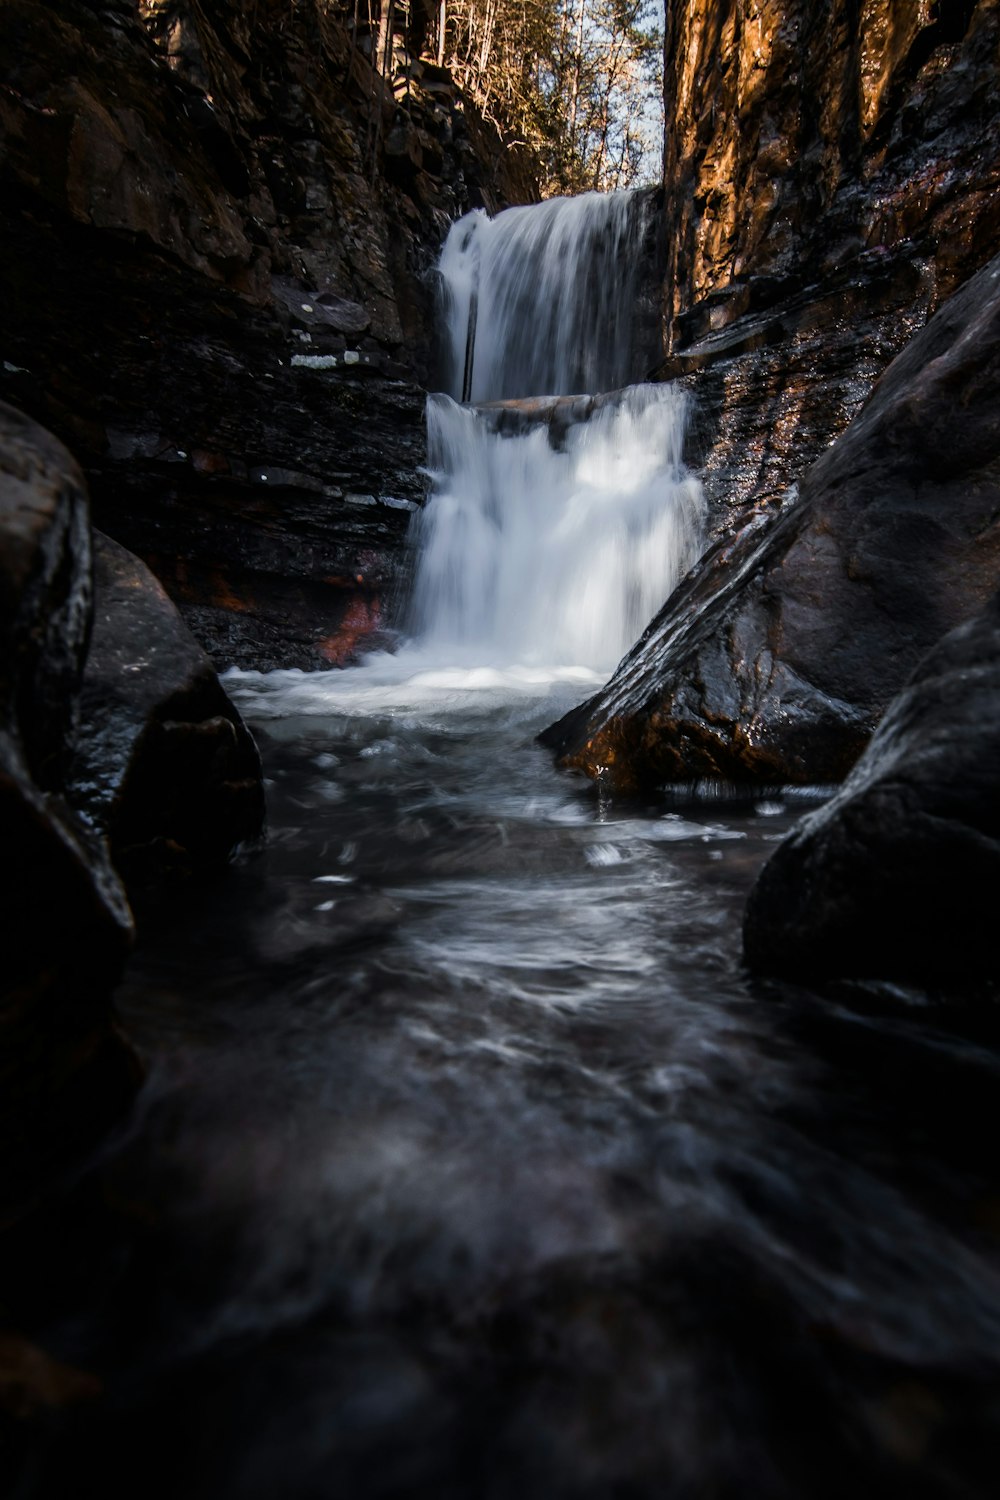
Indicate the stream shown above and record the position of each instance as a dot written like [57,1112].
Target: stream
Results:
[471,1162]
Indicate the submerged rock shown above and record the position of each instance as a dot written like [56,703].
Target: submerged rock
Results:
[164,767]
[776,657]
[897,876]
[31,1381]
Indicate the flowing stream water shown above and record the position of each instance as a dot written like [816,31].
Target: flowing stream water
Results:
[471,1162]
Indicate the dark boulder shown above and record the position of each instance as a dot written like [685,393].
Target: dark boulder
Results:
[64,1071]
[776,657]
[44,591]
[164,767]
[814,139]
[115,733]
[897,876]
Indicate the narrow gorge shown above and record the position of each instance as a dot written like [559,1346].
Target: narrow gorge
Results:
[498,766]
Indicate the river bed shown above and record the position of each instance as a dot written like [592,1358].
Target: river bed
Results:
[471,1162]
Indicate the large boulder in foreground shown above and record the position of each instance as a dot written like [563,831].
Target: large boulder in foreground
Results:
[219,225]
[45,591]
[64,1072]
[776,657]
[119,752]
[897,876]
[165,767]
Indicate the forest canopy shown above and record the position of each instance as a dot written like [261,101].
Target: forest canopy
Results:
[579,82]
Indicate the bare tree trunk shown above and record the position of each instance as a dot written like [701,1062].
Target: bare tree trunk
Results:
[384,47]
[574,98]
[353,47]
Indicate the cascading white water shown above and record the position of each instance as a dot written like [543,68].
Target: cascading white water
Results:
[549,292]
[556,528]
[546,542]
[534,553]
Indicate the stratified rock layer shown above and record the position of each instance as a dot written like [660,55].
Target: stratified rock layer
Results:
[897,876]
[776,657]
[216,259]
[117,743]
[164,767]
[805,135]
[832,174]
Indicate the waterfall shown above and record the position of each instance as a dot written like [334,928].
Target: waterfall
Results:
[556,546]
[557,523]
[554,530]
[549,293]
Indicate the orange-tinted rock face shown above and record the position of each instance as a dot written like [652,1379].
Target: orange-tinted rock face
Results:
[777,655]
[832,176]
[801,133]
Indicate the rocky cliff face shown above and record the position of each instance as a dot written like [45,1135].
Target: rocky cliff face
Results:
[895,876]
[221,224]
[832,174]
[803,137]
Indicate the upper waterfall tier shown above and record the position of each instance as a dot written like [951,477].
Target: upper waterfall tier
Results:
[543,300]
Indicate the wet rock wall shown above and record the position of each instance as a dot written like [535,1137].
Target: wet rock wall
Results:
[221,223]
[776,657]
[831,178]
[805,139]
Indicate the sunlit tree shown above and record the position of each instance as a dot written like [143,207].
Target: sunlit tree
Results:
[577,80]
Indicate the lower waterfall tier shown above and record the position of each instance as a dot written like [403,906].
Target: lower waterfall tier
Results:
[555,529]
